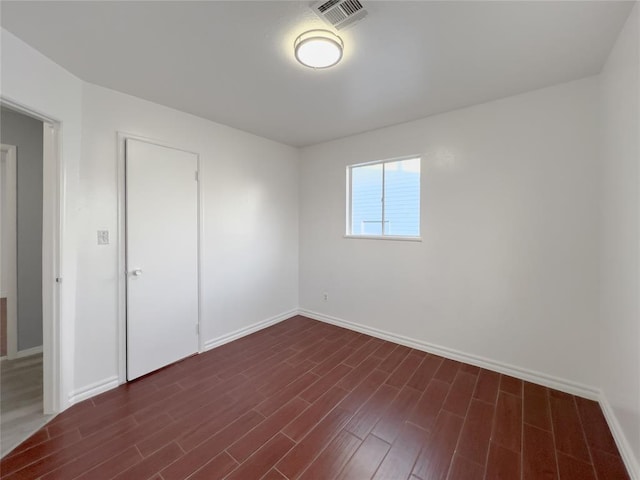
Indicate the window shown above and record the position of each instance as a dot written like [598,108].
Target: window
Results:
[384,199]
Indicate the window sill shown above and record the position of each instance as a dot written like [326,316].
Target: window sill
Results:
[386,237]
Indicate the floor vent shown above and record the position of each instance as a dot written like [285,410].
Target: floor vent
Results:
[340,13]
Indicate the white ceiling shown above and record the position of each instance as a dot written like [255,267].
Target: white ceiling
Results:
[232,62]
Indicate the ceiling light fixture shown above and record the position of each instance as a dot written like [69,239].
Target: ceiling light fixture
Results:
[318,48]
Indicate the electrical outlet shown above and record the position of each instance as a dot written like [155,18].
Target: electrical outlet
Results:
[325,296]
[103,237]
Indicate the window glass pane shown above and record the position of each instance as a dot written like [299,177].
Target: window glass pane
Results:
[366,200]
[402,198]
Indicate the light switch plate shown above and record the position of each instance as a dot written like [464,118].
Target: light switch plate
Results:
[103,237]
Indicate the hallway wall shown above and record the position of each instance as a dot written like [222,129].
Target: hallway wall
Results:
[26,134]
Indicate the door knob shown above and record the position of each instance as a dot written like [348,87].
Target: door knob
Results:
[137,272]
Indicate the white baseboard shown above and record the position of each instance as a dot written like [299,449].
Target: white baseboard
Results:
[574,388]
[550,381]
[28,352]
[23,353]
[230,337]
[626,452]
[93,389]
[113,382]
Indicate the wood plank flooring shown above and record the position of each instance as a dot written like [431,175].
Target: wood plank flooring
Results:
[307,400]
[20,401]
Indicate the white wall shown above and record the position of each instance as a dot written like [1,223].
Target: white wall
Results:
[620,284]
[514,265]
[250,244]
[250,264]
[26,134]
[31,80]
[507,269]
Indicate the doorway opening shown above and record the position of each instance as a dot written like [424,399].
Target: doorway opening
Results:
[29,259]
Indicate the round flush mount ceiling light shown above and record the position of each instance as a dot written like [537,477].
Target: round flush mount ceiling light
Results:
[318,48]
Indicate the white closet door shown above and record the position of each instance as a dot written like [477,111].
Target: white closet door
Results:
[162,256]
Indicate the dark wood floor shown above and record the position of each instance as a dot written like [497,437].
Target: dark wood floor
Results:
[303,399]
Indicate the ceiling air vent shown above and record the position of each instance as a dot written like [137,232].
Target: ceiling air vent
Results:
[339,13]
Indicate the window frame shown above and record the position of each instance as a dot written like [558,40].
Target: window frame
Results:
[349,209]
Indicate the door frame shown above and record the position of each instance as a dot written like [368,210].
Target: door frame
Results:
[121,138]
[11,290]
[53,200]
